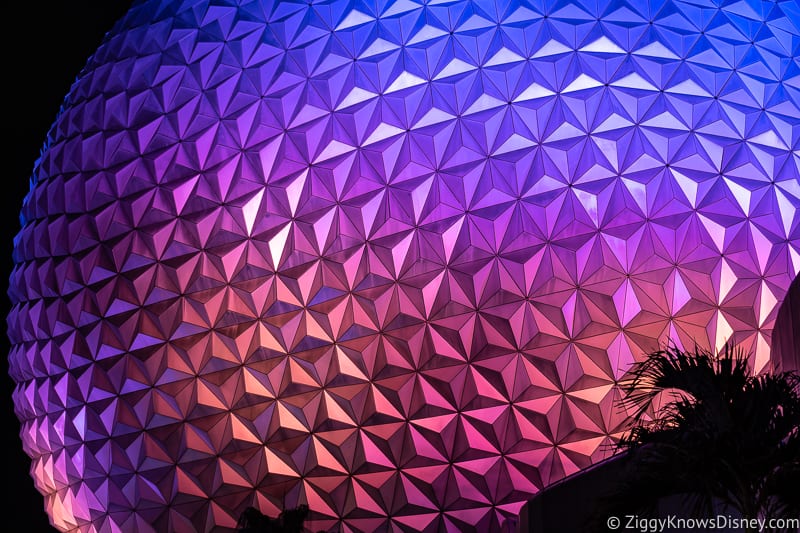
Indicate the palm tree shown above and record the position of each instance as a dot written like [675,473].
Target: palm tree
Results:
[724,438]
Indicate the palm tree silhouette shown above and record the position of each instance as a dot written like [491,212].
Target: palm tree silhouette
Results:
[723,439]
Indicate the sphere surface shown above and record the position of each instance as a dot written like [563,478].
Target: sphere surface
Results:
[389,258]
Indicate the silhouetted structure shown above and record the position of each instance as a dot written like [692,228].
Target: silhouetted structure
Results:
[786,333]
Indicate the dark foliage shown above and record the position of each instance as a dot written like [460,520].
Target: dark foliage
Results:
[722,438]
[289,521]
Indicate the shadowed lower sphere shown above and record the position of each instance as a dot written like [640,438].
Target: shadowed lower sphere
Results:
[389,259]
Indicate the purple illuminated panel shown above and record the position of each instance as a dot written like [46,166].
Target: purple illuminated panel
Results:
[389,259]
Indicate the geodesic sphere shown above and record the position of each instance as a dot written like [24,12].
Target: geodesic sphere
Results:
[389,258]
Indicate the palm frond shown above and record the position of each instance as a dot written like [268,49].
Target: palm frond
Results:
[723,433]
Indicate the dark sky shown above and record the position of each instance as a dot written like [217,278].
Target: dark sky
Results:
[58,38]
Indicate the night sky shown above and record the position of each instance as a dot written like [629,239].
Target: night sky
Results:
[39,68]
